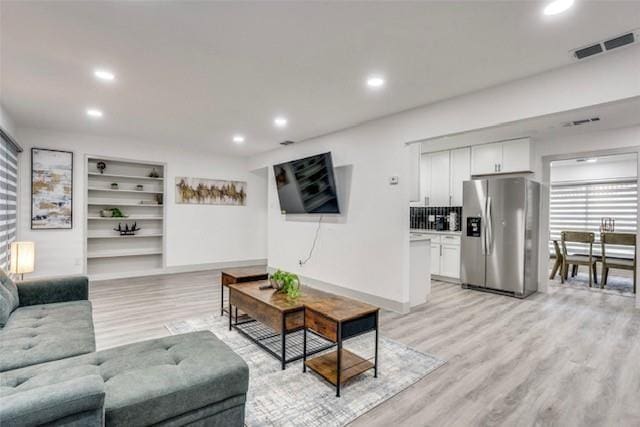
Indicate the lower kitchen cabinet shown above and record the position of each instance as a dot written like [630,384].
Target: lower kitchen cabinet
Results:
[450,261]
[435,258]
[445,255]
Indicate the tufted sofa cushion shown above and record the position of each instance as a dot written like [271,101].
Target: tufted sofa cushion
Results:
[152,381]
[41,333]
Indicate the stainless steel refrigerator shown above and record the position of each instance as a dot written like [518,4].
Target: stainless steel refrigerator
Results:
[500,235]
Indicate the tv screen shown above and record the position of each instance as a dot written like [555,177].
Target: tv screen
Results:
[307,186]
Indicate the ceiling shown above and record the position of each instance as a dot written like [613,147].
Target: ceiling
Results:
[613,115]
[195,73]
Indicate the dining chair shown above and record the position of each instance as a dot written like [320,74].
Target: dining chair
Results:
[577,259]
[557,266]
[621,239]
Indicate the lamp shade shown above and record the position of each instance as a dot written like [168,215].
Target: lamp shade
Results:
[23,256]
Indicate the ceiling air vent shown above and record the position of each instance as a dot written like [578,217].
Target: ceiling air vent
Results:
[622,40]
[586,52]
[286,142]
[580,122]
[607,45]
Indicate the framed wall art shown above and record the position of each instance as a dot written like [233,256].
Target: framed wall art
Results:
[202,191]
[51,189]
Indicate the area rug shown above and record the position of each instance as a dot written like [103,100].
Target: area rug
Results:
[291,398]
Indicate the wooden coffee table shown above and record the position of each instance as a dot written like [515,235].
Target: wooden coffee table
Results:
[275,321]
[338,319]
[239,275]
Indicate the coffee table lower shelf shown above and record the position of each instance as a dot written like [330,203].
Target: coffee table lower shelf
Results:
[326,366]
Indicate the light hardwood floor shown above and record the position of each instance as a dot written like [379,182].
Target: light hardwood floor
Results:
[567,358]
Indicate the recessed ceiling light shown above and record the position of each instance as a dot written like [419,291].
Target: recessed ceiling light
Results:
[591,160]
[238,139]
[280,121]
[557,6]
[375,81]
[93,112]
[105,75]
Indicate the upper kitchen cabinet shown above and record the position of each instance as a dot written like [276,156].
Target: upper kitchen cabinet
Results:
[460,172]
[441,176]
[501,157]
[439,179]
[485,158]
[415,154]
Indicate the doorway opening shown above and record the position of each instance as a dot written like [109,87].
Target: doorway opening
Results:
[593,221]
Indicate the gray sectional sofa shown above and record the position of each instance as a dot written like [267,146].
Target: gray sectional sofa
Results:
[50,373]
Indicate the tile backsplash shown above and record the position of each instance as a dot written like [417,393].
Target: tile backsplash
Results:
[429,218]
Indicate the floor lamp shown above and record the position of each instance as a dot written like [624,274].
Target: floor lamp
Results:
[23,256]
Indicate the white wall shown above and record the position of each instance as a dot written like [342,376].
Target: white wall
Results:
[6,122]
[364,252]
[197,235]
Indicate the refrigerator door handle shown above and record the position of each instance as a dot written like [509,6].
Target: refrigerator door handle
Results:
[483,229]
[489,228]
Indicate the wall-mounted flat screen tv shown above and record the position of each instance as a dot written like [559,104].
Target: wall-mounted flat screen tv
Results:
[307,186]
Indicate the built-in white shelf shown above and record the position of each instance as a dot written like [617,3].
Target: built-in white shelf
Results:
[106,251]
[115,177]
[107,203]
[126,191]
[117,236]
[129,218]
[123,253]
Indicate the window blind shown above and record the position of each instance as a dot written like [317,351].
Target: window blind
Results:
[581,206]
[8,197]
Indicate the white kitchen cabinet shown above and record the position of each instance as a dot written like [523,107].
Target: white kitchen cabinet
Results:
[460,172]
[485,158]
[450,261]
[516,156]
[501,157]
[425,179]
[435,258]
[439,180]
[415,154]
[445,255]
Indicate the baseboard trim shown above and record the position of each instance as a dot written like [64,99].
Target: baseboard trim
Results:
[385,303]
[192,268]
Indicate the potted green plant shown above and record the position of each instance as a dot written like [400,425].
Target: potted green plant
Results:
[287,283]
[117,213]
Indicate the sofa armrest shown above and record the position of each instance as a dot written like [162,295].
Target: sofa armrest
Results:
[48,291]
[79,399]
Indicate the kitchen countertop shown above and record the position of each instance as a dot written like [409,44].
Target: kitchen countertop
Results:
[446,232]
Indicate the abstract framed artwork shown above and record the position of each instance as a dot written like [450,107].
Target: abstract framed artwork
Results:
[51,189]
[200,191]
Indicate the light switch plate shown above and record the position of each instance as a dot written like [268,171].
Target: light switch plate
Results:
[393,180]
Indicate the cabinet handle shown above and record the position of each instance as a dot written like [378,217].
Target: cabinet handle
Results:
[499,167]
[449,200]
[440,250]
[495,167]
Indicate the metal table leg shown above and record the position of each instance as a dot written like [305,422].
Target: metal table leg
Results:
[304,342]
[339,360]
[221,299]
[283,337]
[375,364]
